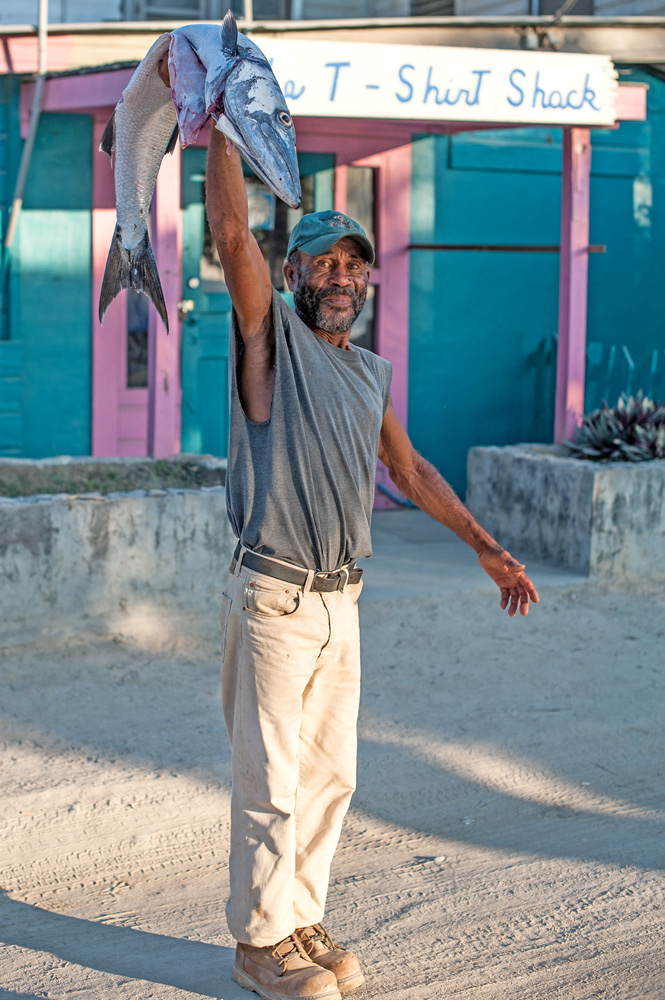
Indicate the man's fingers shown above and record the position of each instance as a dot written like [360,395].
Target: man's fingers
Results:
[163,70]
[530,589]
[514,601]
[517,590]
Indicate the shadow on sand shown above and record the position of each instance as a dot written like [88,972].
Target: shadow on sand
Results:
[191,966]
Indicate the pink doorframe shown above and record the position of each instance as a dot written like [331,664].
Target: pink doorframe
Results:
[119,414]
[132,421]
[356,144]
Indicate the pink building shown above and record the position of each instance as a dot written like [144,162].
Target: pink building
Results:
[358,148]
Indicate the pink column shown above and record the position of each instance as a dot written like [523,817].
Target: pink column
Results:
[339,195]
[393,230]
[164,390]
[574,260]
[108,343]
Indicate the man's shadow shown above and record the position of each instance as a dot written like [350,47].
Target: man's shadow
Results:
[191,966]
[11,995]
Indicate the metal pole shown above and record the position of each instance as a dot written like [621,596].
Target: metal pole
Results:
[249,14]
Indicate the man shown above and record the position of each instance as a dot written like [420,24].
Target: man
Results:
[309,415]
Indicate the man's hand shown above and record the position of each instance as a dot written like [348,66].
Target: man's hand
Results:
[509,576]
[163,70]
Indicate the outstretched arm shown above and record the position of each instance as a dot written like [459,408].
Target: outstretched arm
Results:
[422,484]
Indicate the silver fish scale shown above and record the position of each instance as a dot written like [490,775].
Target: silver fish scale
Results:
[144,122]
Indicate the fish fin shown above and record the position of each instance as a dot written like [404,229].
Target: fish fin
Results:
[107,144]
[135,268]
[172,141]
[227,128]
[230,34]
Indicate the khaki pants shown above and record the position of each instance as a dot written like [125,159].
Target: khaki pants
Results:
[290,691]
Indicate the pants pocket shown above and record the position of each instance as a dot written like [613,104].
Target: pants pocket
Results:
[273,600]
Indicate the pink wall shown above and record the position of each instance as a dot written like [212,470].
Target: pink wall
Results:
[18,53]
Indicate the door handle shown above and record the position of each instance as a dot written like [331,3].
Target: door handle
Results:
[185,306]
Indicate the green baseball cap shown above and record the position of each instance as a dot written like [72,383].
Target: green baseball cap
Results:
[319,231]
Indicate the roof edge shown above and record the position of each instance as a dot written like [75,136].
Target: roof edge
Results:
[340,24]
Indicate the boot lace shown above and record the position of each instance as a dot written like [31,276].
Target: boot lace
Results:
[320,934]
[284,957]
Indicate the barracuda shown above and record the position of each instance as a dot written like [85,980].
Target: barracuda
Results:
[213,73]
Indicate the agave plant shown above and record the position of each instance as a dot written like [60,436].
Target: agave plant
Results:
[632,431]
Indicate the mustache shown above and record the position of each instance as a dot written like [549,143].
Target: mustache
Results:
[335,293]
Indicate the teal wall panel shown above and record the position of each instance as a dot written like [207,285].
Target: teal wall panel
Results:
[10,152]
[11,388]
[626,303]
[483,325]
[50,289]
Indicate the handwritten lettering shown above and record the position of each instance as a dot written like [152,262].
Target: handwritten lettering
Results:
[518,100]
[453,95]
[555,99]
[460,85]
[291,92]
[337,67]
[404,99]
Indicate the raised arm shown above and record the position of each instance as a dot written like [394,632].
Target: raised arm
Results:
[424,486]
[245,272]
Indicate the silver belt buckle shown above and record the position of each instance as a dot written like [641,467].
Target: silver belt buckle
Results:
[342,578]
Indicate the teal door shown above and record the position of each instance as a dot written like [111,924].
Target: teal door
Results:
[483,323]
[45,342]
[206,306]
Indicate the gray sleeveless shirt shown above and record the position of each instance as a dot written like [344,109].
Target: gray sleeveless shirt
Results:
[300,486]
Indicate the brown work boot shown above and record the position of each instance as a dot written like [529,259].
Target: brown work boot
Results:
[283,971]
[322,949]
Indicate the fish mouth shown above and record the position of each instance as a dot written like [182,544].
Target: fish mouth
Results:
[271,159]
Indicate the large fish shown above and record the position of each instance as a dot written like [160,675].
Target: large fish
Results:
[213,73]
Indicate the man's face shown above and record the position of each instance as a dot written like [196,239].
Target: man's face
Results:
[329,289]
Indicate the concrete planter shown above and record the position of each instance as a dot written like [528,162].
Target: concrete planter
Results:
[602,520]
[110,560]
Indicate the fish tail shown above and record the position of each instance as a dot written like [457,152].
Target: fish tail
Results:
[132,268]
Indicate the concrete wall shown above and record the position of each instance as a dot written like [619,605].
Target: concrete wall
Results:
[604,520]
[111,562]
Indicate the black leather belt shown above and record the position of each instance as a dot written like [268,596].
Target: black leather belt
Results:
[322,582]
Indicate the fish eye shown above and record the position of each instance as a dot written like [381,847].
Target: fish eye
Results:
[284,117]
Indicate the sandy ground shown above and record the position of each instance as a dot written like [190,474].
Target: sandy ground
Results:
[507,839]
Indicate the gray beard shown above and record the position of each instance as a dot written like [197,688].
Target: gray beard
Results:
[307,304]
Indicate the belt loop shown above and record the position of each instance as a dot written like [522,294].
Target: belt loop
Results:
[307,585]
[345,571]
[241,556]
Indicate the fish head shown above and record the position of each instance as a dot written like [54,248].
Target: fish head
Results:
[254,116]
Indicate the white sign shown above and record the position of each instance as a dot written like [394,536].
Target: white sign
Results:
[428,83]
